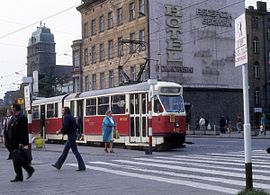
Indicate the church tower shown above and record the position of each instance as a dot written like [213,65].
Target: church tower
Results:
[41,51]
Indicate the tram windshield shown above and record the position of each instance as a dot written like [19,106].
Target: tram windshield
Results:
[172,103]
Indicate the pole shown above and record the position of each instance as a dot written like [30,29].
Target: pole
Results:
[149,151]
[30,130]
[247,130]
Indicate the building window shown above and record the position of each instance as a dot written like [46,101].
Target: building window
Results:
[254,22]
[76,85]
[255,45]
[142,40]
[85,30]
[110,49]
[94,58]
[144,75]
[268,58]
[121,77]
[94,82]
[76,55]
[86,83]
[132,45]
[268,34]
[102,80]
[141,8]
[111,79]
[256,71]
[119,16]
[101,52]
[258,97]
[131,11]
[110,20]
[93,27]
[133,73]
[86,57]
[101,24]
[120,47]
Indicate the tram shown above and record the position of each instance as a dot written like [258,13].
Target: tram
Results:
[130,108]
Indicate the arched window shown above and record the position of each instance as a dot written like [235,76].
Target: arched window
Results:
[255,45]
[256,70]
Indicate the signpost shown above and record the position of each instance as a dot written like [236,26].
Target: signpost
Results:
[241,59]
[27,98]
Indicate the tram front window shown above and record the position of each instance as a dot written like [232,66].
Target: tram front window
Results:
[172,103]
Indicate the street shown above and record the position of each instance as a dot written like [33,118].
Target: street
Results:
[206,166]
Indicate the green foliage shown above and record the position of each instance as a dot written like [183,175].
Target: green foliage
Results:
[253,192]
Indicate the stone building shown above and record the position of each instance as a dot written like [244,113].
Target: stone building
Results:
[41,57]
[188,42]
[258,33]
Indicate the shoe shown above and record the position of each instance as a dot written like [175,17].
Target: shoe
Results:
[112,151]
[30,174]
[55,166]
[106,150]
[16,180]
[82,169]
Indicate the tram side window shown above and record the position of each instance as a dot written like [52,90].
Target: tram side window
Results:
[157,105]
[91,107]
[118,104]
[50,110]
[103,105]
[131,100]
[72,108]
[35,112]
[56,110]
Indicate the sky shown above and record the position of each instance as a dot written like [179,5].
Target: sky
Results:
[18,19]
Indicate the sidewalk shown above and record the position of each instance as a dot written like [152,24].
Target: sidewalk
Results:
[234,134]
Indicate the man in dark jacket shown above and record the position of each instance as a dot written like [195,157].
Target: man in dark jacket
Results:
[69,128]
[7,132]
[19,139]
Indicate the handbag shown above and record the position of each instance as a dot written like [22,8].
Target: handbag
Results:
[22,155]
[116,134]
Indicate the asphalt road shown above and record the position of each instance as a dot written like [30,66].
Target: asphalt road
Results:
[207,166]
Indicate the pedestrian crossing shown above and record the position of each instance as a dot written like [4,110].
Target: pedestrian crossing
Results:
[217,172]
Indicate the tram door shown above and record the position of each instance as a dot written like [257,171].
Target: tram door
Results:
[138,118]
[42,119]
[80,116]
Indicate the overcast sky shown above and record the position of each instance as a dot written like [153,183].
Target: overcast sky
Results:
[18,19]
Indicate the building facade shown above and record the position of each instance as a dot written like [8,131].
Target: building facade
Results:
[258,33]
[187,42]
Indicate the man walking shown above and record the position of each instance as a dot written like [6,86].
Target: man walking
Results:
[69,128]
[19,139]
[7,132]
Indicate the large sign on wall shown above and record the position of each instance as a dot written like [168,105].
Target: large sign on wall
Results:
[192,42]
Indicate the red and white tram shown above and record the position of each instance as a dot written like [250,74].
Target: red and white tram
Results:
[129,105]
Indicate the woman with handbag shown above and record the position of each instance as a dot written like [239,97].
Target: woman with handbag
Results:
[108,125]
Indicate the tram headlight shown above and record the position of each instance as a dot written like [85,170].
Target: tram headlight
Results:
[177,125]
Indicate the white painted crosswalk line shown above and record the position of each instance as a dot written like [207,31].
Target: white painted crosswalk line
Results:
[190,176]
[216,158]
[211,166]
[223,158]
[154,162]
[201,160]
[242,155]
[197,185]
